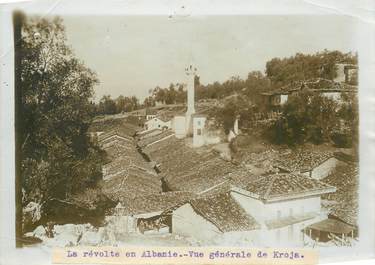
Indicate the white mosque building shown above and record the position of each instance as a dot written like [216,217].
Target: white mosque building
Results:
[190,123]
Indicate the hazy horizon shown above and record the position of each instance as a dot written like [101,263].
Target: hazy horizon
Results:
[133,54]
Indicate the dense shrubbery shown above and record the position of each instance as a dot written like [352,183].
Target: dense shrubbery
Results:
[306,66]
[311,117]
[57,159]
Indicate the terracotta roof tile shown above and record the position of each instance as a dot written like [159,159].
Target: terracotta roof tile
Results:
[346,179]
[332,226]
[224,212]
[152,203]
[284,186]
[144,141]
[301,161]
[130,182]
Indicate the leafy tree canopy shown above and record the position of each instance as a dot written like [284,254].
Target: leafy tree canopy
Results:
[306,66]
[312,117]
[57,157]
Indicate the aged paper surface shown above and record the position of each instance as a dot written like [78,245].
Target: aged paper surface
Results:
[138,125]
[183,255]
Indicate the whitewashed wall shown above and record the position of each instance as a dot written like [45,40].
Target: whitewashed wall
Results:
[286,236]
[336,96]
[298,207]
[253,207]
[179,126]
[324,169]
[157,124]
[283,99]
[186,222]
[340,73]
[198,124]
[122,224]
[269,211]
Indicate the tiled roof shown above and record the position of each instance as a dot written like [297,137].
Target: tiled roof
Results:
[332,226]
[124,162]
[189,169]
[147,133]
[224,212]
[153,138]
[241,178]
[302,161]
[115,132]
[131,181]
[287,186]
[152,203]
[118,143]
[326,85]
[121,125]
[202,177]
[346,179]
[117,149]
[167,116]
[316,84]
[151,111]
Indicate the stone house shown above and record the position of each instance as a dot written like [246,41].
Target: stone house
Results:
[158,122]
[150,114]
[146,213]
[269,210]
[317,165]
[211,217]
[283,204]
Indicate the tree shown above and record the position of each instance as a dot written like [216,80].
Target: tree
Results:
[159,94]
[306,117]
[108,106]
[347,135]
[303,67]
[120,103]
[57,157]
[175,93]
[181,94]
[235,107]
[255,84]
[149,102]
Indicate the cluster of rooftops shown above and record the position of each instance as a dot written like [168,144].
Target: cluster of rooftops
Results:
[156,172]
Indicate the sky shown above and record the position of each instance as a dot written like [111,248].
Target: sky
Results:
[133,54]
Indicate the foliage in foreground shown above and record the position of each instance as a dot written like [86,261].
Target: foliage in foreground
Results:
[57,157]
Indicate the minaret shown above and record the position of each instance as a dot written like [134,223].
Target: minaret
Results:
[190,72]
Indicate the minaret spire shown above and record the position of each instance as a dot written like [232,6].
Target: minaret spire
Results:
[191,71]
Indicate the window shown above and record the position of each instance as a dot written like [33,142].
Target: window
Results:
[159,125]
[199,123]
[199,131]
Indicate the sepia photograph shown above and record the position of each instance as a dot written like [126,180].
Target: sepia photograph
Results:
[191,131]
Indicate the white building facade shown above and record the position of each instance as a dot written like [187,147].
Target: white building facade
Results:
[199,122]
[282,214]
[157,123]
